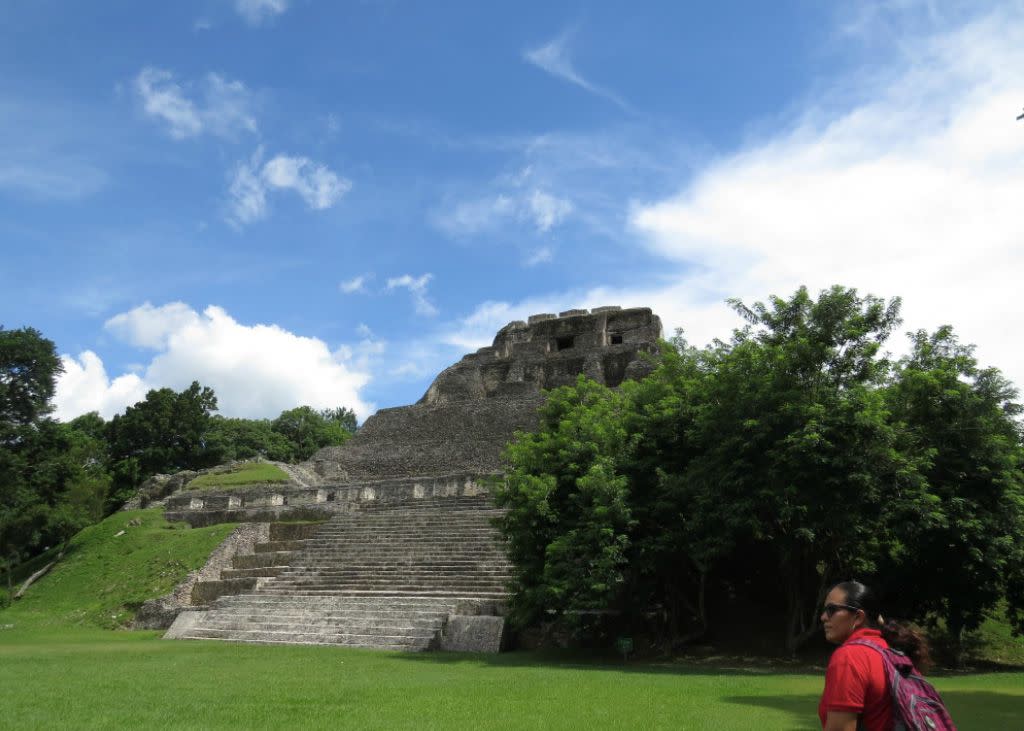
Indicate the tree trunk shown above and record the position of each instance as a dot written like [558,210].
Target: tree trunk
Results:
[9,570]
[37,575]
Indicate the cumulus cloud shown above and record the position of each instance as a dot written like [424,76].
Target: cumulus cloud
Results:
[316,184]
[257,12]
[417,287]
[85,386]
[214,105]
[255,370]
[911,190]
[553,57]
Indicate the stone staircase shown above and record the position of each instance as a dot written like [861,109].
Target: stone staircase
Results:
[387,575]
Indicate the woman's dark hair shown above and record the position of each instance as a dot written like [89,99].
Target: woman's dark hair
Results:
[900,636]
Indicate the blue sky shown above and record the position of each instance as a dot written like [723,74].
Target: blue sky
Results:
[300,201]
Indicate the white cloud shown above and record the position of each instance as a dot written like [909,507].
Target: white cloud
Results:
[913,192]
[553,57]
[356,284]
[542,210]
[546,210]
[164,99]
[84,386]
[417,287]
[472,217]
[152,327]
[540,256]
[215,105]
[255,370]
[256,12]
[317,185]
[247,193]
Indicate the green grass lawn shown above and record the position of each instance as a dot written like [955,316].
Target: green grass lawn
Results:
[104,577]
[59,669]
[94,679]
[250,473]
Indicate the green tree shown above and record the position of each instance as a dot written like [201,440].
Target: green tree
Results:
[29,367]
[961,421]
[567,516]
[232,438]
[309,430]
[164,433]
[794,436]
[344,416]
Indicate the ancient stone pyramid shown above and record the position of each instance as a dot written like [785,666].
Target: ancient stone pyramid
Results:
[405,555]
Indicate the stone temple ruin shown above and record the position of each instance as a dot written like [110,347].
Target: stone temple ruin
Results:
[398,549]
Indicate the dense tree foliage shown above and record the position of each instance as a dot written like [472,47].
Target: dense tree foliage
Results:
[760,470]
[161,434]
[308,430]
[959,421]
[29,367]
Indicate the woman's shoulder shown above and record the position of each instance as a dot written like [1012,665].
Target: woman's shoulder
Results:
[853,652]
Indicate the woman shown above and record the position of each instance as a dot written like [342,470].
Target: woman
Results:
[856,688]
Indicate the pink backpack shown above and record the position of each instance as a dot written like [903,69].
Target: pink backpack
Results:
[916,705]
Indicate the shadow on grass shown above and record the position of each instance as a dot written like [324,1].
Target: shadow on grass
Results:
[971,709]
[601,661]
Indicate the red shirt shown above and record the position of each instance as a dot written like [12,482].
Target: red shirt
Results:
[855,682]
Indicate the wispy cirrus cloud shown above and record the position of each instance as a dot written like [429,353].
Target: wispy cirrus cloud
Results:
[213,105]
[257,12]
[538,208]
[49,150]
[251,182]
[553,57]
[417,287]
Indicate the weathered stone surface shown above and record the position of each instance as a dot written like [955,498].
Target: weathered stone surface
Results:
[465,633]
[158,487]
[474,407]
[184,622]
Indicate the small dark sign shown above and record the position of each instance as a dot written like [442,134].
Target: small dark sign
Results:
[625,646]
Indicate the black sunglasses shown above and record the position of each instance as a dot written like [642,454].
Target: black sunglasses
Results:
[831,609]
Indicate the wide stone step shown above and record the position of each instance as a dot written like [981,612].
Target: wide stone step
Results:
[273,546]
[388,592]
[313,625]
[298,615]
[414,641]
[256,560]
[413,521]
[404,586]
[348,571]
[383,601]
[258,572]
[439,532]
[374,564]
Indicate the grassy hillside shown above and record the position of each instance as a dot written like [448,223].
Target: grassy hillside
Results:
[106,575]
[250,473]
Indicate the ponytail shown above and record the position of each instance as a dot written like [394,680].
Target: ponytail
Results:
[909,641]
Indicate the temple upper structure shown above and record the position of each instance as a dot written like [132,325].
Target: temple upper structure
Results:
[474,407]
